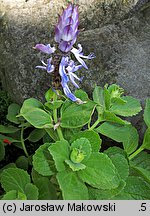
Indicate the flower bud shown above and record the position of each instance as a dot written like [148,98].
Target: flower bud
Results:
[66,30]
[76,155]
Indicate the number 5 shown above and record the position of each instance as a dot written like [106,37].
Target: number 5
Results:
[143,207]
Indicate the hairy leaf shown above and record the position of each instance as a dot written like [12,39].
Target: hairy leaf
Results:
[31,191]
[36,135]
[47,191]
[130,108]
[99,194]
[126,134]
[98,97]
[71,186]
[100,172]
[60,152]
[146,141]
[13,111]
[42,161]
[147,112]
[77,115]
[93,138]
[14,179]
[82,145]
[8,129]
[38,118]
[137,188]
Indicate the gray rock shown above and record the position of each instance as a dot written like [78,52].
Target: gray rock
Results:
[117,31]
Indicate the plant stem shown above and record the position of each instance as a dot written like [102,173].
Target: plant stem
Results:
[135,153]
[58,129]
[95,124]
[22,142]
[51,133]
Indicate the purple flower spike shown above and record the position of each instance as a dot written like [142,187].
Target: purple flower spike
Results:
[45,48]
[48,67]
[79,55]
[61,64]
[66,30]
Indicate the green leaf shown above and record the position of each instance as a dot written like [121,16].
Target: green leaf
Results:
[115,91]
[54,104]
[107,98]
[141,165]
[111,117]
[115,150]
[98,97]
[38,118]
[13,111]
[51,135]
[21,196]
[8,129]
[30,104]
[145,174]
[49,94]
[146,141]
[123,196]
[47,191]
[84,146]
[10,195]
[32,111]
[76,115]
[137,188]
[130,108]
[126,134]
[118,101]
[79,93]
[22,162]
[60,152]
[2,151]
[142,160]
[12,140]
[100,172]
[121,165]
[69,133]
[119,159]
[36,135]
[10,165]
[14,179]
[42,161]
[99,194]
[31,191]
[75,166]
[72,187]
[93,138]
[147,112]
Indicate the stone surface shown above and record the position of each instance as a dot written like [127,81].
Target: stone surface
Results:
[117,31]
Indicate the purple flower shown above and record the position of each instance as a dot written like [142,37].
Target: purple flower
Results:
[67,91]
[45,48]
[70,71]
[67,68]
[48,67]
[79,55]
[62,70]
[66,30]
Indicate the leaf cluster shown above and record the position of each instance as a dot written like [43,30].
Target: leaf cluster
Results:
[70,163]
